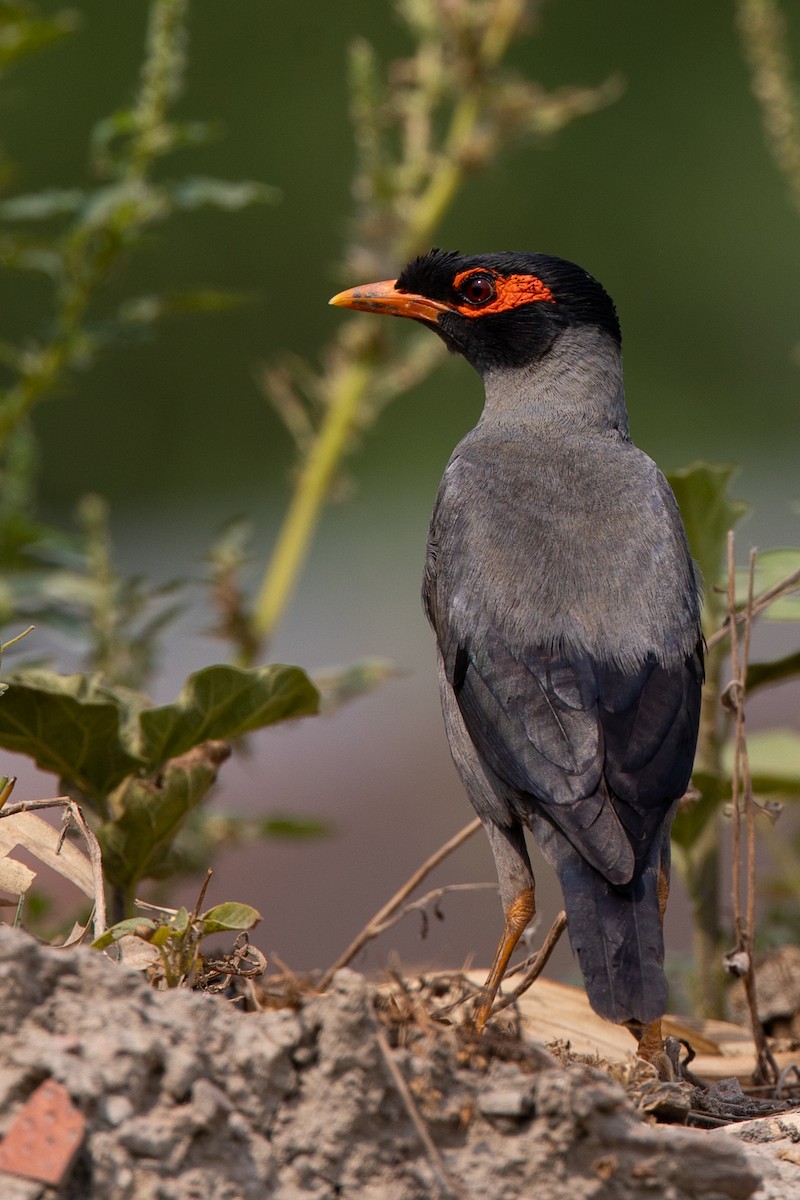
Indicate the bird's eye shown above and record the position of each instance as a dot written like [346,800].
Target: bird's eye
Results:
[478,289]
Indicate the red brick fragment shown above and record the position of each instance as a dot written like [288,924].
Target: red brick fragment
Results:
[44,1137]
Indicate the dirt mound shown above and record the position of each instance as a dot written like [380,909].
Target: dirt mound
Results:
[187,1098]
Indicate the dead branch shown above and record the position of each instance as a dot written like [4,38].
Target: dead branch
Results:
[741,960]
[432,897]
[96,860]
[534,966]
[761,602]
[447,1185]
[373,927]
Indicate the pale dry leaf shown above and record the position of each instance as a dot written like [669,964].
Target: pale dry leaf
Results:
[75,936]
[33,834]
[15,877]
[138,955]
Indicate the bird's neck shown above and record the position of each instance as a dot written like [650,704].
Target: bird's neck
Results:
[575,387]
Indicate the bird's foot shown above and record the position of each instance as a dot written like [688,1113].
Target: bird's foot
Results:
[483,1009]
[663,1056]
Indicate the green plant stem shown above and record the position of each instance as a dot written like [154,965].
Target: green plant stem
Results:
[90,249]
[764,36]
[447,179]
[351,382]
[348,385]
[162,75]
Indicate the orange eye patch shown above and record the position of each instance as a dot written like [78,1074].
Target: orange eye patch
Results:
[509,291]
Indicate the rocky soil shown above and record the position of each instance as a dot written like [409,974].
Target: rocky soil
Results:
[187,1098]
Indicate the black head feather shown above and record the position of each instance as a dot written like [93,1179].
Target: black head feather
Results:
[523,332]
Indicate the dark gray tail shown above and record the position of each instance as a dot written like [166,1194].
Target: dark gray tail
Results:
[617,936]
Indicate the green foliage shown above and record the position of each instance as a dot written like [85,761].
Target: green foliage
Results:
[774,756]
[104,223]
[143,769]
[23,31]
[708,512]
[224,702]
[88,233]
[175,938]
[70,726]
[702,490]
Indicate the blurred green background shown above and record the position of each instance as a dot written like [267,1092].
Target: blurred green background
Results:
[668,196]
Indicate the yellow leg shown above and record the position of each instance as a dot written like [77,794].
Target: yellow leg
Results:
[651,1047]
[651,1043]
[518,915]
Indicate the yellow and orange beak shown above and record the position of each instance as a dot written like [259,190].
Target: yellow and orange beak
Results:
[384,297]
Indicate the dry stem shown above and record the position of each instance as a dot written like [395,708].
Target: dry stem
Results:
[377,923]
[761,602]
[744,805]
[535,965]
[429,898]
[446,1183]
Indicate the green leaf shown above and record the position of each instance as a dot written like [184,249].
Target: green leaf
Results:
[223,702]
[144,310]
[106,131]
[339,685]
[701,490]
[229,916]
[762,674]
[110,144]
[149,813]
[25,253]
[39,206]
[286,827]
[180,922]
[141,927]
[772,567]
[70,725]
[201,191]
[24,31]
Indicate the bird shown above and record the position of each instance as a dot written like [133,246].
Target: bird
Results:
[566,606]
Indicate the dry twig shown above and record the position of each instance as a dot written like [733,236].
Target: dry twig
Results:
[534,966]
[760,603]
[377,923]
[447,1185]
[741,960]
[432,898]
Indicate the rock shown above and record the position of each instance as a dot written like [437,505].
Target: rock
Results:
[513,1102]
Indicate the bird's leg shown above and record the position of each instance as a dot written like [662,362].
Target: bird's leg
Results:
[518,915]
[649,1037]
[519,905]
[651,1047]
